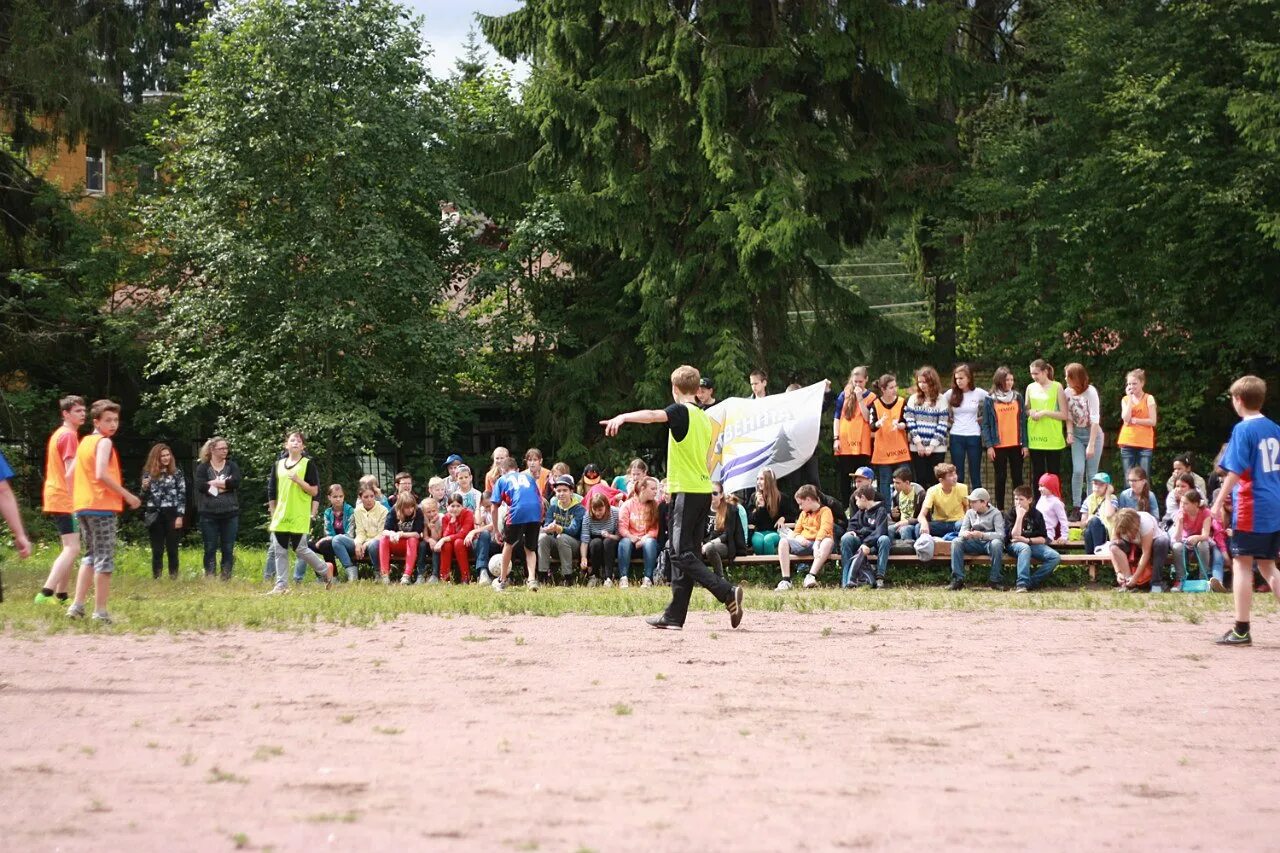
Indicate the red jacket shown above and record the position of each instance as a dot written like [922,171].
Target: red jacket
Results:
[459,527]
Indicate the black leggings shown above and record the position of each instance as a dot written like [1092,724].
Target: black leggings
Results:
[164,538]
[602,557]
[1008,465]
[923,467]
[1045,462]
[845,466]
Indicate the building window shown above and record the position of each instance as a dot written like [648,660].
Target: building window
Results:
[95,171]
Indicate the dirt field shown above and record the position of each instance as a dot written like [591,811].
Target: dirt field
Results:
[995,730]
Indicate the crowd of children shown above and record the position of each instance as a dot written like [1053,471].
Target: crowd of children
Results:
[890,448]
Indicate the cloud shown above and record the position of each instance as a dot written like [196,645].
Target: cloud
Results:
[445,27]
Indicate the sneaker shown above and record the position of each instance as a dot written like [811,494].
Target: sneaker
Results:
[41,598]
[484,576]
[955,584]
[1177,587]
[103,617]
[624,583]
[1217,585]
[532,584]
[278,589]
[810,581]
[1231,638]
[1021,589]
[593,581]
[647,582]
[406,579]
[75,611]
[734,606]
[879,584]
[608,583]
[998,587]
[431,579]
[661,622]
[783,585]
[498,586]
[385,579]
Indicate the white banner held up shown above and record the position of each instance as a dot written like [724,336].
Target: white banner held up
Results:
[779,431]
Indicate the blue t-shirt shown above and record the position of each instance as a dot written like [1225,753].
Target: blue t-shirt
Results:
[6,473]
[1254,454]
[520,492]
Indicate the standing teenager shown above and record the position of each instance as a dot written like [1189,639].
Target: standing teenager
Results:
[291,500]
[1004,431]
[1046,412]
[164,497]
[218,503]
[59,465]
[851,431]
[1084,431]
[1138,414]
[928,424]
[689,463]
[98,496]
[890,447]
[519,491]
[967,404]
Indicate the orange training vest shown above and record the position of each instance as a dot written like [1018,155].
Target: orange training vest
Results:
[1138,436]
[1006,423]
[855,433]
[891,444]
[87,491]
[57,494]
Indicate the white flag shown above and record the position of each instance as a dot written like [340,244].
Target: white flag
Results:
[779,431]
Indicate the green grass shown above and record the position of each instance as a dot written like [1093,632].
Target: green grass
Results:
[192,603]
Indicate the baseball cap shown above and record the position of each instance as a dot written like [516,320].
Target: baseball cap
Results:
[1102,477]
[980,494]
[592,468]
[865,473]
[453,457]
[707,382]
[563,480]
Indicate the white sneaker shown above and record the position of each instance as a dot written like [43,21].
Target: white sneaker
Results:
[498,586]
[484,576]
[405,579]
[624,583]
[810,581]
[532,584]
[608,583]
[646,582]
[385,579]
[278,589]
[593,581]
[783,585]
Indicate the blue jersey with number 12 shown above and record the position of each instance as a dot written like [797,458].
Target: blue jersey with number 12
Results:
[520,492]
[1254,454]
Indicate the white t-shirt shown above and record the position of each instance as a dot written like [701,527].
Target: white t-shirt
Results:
[1146,524]
[1083,410]
[964,417]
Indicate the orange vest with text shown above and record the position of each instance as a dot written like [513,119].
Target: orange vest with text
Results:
[1138,436]
[87,492]
[891,444]
[855,433]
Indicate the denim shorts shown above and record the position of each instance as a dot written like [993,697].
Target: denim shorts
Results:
[799,548]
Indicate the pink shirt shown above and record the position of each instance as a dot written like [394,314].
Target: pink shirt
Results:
[631,518]
[1055,516]
[1193,526]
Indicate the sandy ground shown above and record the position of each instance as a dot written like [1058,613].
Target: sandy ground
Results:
[826,731]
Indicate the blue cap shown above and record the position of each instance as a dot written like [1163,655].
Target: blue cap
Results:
[865,473]
[453,457]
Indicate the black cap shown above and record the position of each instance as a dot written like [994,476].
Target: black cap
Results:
[706,382]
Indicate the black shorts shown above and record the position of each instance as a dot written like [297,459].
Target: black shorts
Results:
[1261,546]
[526,535]
[65,522]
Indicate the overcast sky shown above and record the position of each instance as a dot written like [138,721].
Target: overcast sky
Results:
[446,24]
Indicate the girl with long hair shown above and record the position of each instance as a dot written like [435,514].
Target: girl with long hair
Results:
[1046,412]
[1084,430]
[890,448]
[218,504]
[966,402]
[772,510]
[928,417]
[1004,431]
[851,431]
[164,501]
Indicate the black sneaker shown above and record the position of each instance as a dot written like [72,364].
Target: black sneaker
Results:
[998,587]
[734,606]
[955,584]
[661,622]
[1231,638]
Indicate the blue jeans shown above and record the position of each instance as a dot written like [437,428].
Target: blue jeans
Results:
[909,532]
[850,543]
[648,550]
[1024,554]
[966,455]
[484,547]
[219,534]
[939,529]
[884,481]
[1135,457]
[343,549]
[1082,467]
[993,548]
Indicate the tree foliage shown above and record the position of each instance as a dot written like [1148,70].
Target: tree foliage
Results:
[301,223]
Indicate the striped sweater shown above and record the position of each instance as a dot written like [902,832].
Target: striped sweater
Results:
[928,423]
[592,527]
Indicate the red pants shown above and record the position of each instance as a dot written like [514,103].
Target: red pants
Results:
[407,546]
[453,549]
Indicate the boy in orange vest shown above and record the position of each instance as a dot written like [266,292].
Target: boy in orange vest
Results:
[59,463]
[98,497]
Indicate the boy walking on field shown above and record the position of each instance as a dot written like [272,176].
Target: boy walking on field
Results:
[98,497]
[1252,462]
[59,466]
[689,484]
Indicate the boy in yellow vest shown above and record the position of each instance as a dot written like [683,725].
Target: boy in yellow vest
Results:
[98,496]
[689,484]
